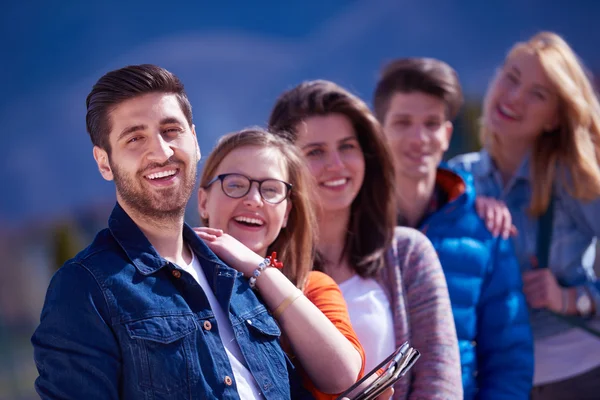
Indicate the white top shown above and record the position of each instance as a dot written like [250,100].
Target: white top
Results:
[565,355]
[371,317]
[246,385]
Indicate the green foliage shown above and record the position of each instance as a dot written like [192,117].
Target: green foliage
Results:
[466,129]
[66,242]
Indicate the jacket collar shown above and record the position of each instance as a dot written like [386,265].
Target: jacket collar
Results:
[140,251]
[457,187]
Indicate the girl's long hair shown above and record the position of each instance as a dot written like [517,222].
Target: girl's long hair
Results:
[572,151]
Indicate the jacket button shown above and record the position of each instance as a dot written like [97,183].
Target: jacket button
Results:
[228,381]
[176,274]
[207,325]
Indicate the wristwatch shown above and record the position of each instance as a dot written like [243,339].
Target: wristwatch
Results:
[584,302]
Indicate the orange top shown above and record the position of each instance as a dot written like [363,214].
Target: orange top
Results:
[324,293]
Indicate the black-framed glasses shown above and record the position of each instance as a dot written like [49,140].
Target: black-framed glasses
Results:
[235,186]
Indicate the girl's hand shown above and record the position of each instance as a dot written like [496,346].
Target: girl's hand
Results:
[208,233]
[496,215]
[542,291]
[229,249]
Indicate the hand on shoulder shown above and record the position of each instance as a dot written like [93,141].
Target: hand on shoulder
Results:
[230,250]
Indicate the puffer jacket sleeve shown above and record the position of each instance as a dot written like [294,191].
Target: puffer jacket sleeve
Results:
[504,338]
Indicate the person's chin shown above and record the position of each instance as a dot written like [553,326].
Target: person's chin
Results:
[337,205]
[498,126]
[415,171]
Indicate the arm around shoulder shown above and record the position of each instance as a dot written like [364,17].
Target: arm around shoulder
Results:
[75,350]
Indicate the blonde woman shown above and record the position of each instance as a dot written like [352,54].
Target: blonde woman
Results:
[541,136]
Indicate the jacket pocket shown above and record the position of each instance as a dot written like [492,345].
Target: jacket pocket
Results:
[163,348]
[263,324]
[262,329]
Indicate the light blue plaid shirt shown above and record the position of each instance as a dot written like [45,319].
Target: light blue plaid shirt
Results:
[575,229]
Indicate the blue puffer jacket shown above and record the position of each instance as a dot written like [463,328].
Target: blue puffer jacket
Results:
[485,286]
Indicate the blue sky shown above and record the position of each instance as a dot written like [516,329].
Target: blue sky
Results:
[234,58]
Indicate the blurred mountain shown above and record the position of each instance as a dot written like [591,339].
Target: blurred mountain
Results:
[234,59]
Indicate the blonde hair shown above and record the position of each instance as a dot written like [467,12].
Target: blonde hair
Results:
[295,244]
[573,148]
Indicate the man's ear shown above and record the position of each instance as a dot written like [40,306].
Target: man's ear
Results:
[198,154]
[449,128]
[202,200]
[101,157]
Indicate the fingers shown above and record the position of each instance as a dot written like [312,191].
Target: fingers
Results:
[507,224]
[480,207]
[490,218]
[541,290]
[502,220]
[210,231]
[206,236]
[536,295]
[536,300]
[496,216]
[209,235]
[539,274]
[532,275]
[499,220]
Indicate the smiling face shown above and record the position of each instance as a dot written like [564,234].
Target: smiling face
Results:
[153,157]
[418,132]
[334,157]
[521,102]
[250,219]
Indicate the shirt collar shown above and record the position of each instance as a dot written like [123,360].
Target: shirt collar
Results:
[488,167]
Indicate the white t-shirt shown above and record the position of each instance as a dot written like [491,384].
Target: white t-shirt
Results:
[371,317]
[246,385]
[565,355]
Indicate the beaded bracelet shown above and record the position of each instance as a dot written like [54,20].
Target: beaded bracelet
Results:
[261,267]
[270,261]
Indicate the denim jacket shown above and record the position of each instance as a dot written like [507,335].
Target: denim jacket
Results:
[576,226]
[120,322]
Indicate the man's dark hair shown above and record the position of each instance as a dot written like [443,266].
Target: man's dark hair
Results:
[123,84]
[426,75]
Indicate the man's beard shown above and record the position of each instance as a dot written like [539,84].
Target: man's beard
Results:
[163,204]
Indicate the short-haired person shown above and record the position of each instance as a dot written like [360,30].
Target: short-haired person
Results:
[416,100]
[148,310]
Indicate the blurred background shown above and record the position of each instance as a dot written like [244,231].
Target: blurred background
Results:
[234,57]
